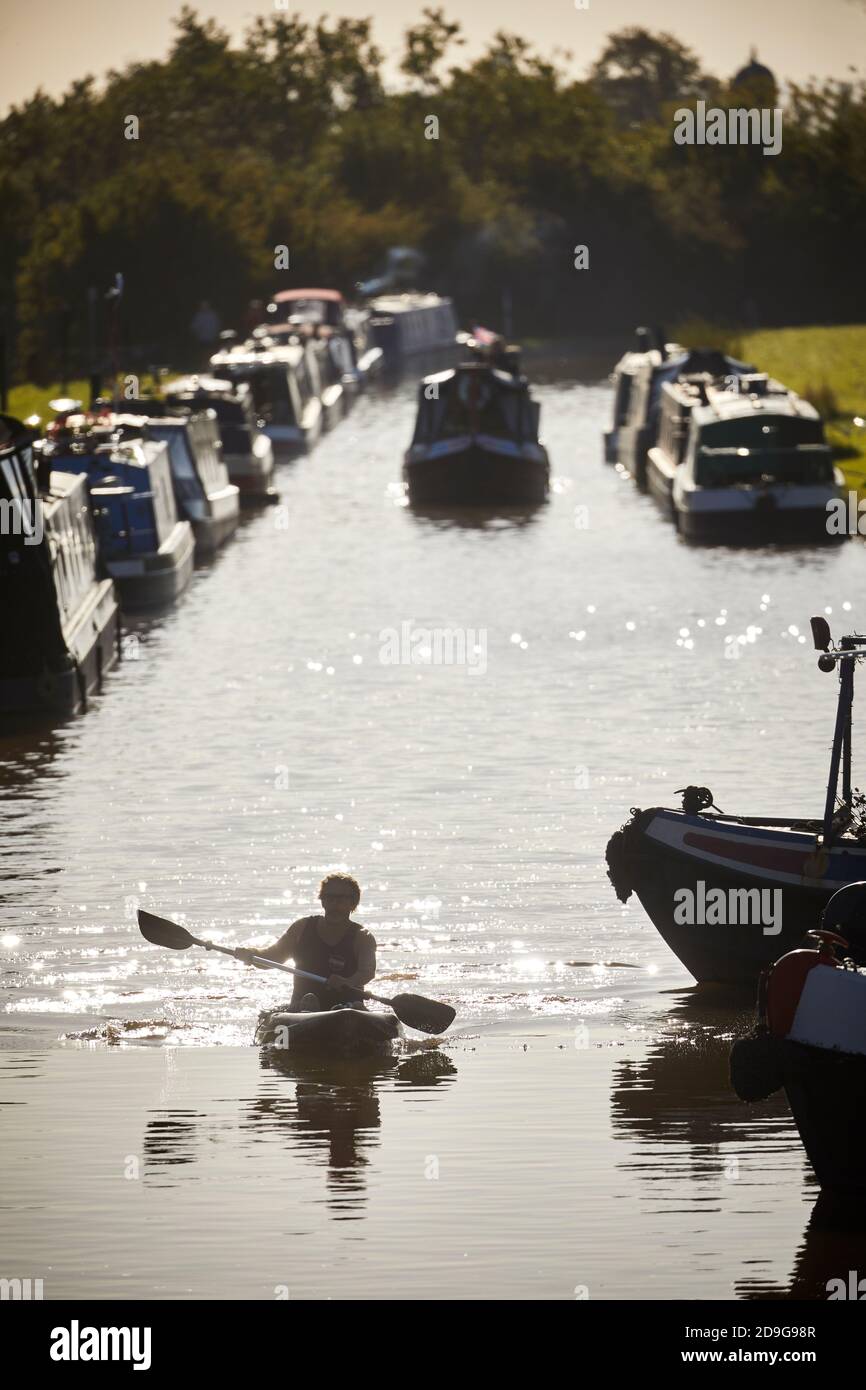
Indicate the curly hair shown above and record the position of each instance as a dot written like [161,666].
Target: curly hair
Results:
[345,880]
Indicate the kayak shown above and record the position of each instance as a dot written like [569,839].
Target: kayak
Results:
[340,1032]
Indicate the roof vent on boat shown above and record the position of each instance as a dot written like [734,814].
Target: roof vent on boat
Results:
[753,384]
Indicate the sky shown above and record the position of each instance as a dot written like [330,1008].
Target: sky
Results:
[49,43]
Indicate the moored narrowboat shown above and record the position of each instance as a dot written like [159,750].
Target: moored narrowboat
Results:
[246,450]
[756,467]
[144,544]
[314,365]
[650,347]
[204,494]
[406,325]
[345,328]
[638,431]
[60,617]
[285,390]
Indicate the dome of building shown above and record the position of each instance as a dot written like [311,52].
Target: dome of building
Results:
[753,72]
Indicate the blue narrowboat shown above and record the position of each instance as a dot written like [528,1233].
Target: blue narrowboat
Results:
[144,544]
[205,497]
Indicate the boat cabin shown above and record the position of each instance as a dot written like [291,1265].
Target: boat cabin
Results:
[738,439]
[476,399]
[325,307]
[285,385]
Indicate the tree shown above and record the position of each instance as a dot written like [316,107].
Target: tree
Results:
[639,72]
[426,46]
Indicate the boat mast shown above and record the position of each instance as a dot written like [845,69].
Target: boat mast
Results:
[841,742]
[848,643]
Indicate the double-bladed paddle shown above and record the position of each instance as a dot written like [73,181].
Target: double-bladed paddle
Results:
[426,1015]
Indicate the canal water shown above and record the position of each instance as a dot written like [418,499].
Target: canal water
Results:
[459,711]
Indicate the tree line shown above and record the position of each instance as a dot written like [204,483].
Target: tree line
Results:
[497,168]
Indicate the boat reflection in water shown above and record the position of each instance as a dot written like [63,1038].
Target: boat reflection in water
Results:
[831,1260]
[335,1111]
[679,1095]
[478,518]
[674,1108]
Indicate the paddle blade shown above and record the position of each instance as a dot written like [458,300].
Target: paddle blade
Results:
[161,932]
[427,1015]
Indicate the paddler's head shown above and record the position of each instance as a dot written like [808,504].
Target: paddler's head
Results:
[339,895]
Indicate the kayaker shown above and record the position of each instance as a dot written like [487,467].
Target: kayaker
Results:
[334,946]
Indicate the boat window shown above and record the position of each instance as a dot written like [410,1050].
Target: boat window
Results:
[74,550]
[736,468]
[477,402]
[205,445]
[272,395]
[181,459]
[227,412]
[310,310]
[164,509]
[623,393]
[769,431]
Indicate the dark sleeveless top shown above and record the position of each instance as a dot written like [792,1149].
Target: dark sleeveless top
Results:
[319,958]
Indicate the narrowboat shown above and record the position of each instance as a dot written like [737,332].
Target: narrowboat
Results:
[650,348]
[730,894]
[476,435]
[285,389]
[345,327]
[144,545]
[810,1041]
[405,325]
[638,430]
[204,494]
[60,617]
[246,450]
[746,463]
[319,364]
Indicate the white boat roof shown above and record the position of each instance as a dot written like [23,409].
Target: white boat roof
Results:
[402,303]
[204,385]
[730,405]
[246,357]
[63,485]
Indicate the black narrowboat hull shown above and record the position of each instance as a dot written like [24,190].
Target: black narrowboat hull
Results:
[475,476]
[758,525]
[633,445]
[93,650]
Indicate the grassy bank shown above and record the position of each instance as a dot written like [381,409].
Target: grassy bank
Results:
[825,365]
[33,400]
